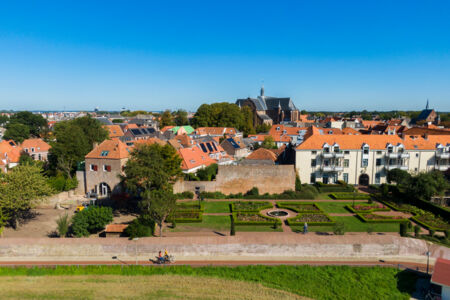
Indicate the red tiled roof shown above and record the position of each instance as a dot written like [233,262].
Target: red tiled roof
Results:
[441,273]
[350,131]
[150,141]
[194,157]
[115,228]
[8,152]
[258,137]
[215,130]
[114,131]
[263,154]
[38,144]
[110,149]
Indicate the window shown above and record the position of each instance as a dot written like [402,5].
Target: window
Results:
[346,177]
[336,149]
[313,162]
[392,162]
[26,150]
[377,178]
[326,150]
[346,152]
[378,162]
[378,152]
[366,150]
[417,154]
[365,162]
[313,152]
[32,149]
[93,167]
[313,178]
[104,153]
[326,162]
[106,168]
[278,128]
[39,157]
[346,163]
[400,150]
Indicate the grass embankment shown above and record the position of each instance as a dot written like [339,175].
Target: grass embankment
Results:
[324,282]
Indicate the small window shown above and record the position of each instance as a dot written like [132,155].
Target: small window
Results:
[346,152]
[365,162]
[346,163]
[32,149]
[379,152]
[313,178]
[378,162]
[313,162]
[366,150]
[417,154]
[313,152]
[346,177]
[26,150]
[377,178]
[93,167]
[326,150]
[415,169]
[104,153]
[106,168]
[278,128]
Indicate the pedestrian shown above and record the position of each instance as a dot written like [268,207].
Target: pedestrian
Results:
[305,228]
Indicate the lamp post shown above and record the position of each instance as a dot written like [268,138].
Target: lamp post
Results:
[135,249]
[428,260]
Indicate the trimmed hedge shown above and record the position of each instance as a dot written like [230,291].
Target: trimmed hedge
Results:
[334,188]
[190,207]
[431,207]
[268,221]
[259,206]
[179,218]
[350,208]
[426,225]
[381,220]
[349,196]
[185,195]
[295,222]
[295,207]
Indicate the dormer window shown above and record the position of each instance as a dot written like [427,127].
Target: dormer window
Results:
[390,149]
[336,149]
[278,128]
[326,149]
[365,149]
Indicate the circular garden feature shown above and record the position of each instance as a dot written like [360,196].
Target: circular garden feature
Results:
[277,213]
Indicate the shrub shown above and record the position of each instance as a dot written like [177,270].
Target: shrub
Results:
[62,225]
[253,192]
[174,224]
[298,184]
[213,195]
[370,229]
[313,219]
[91,220]
[350,196]
[403,229]
[250,206]
[186,217]
[61,183]
[431,232]
[447,234]
[275,225]
[140,227]
[339,228]
[416,231]
[232,229]
[185,195]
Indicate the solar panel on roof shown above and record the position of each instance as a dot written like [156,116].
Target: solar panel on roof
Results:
[209,147]
[214,145]
[203,148]
[135,131]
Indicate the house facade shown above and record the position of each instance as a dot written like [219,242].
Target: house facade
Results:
[366,159]
[36,148]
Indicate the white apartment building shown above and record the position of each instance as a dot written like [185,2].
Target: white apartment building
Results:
[366,159]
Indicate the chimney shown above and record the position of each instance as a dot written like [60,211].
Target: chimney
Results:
[402,135]
[94,145]
[425,136]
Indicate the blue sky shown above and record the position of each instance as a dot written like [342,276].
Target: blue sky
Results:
[326,55]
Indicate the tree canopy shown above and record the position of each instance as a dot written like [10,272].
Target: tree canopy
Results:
[36,123]
[427,185]
[16,132]
[181,117]
[398,176]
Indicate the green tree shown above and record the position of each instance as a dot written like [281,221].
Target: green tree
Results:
[263,128]
[398,176]
[152,167]
[70,147]
[158,204]
[181,117]
[427,185]
[247,126]
[35,123]
[16,132]
[166,119]
[92,129]
[219,115]
[91,220]
[20,190]
[269,143]
[3,120]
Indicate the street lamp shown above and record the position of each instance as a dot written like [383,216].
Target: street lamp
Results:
[135,248]
[428,260]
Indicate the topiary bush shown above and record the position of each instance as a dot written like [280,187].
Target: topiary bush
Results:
[431,232]
[253,192]
[91,220]
[60,183]
[339,228]
[403,229]
[185,195]
[140,227]
[417,231]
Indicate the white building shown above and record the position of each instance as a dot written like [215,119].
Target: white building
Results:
[365,159]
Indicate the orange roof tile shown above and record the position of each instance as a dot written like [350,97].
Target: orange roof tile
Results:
[350,131]
[115,228]
[150,141]
[114,131]
[110,149]
[441,273]
[258,137]
[165,128]
[193,158]
[8,152]
[38,144]
[263,154]
[215,130]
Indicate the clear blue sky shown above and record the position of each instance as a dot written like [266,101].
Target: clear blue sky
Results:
[326,55]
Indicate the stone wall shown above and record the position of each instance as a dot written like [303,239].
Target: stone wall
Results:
[69,198]
[241,178]
[269,247]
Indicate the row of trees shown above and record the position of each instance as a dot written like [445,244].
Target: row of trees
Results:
[23,125]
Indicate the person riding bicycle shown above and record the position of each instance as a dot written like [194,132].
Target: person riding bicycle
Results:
[166,254]
[160,257]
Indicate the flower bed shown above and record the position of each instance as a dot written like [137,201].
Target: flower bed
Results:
[312,219]
[250,206]
[253,218]
[365,208]
[186,217]
[300,207]
[349,196]
[373,218]
[431,221]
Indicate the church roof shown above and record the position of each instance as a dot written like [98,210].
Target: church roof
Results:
[424,114]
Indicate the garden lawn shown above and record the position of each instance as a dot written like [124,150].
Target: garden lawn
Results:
[323,282]
[336,207]
[323,196]
[217,223]
[352,224]
[217,206]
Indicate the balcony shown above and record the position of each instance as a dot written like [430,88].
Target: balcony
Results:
[332,168]
[441,167]
[443,155]
[333,154]
[397,155]
[401,167]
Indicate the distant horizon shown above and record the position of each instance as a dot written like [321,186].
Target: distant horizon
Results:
[335,56]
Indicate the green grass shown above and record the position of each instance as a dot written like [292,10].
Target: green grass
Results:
[335,207]
[352,224]
[217,223]
[217,206]
[323,282]
[323,196]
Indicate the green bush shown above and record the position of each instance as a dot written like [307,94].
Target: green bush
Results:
[60,183]
[313,219]
[213,195]
[349,196]
[62,225]
[186,217]
[403,229]
[339,228]
[334,188]
[140,227]
[253,218]
[232,229]
[185,195]
[250,206]
[298,183]
[372,218]
[91,220]
[431,232]
[253,192]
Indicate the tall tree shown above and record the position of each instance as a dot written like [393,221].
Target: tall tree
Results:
[36,123]
[222,114]
[158,205]
[16,132]
[247,125]
[181,117]
[427,185]
[269,143]
[92,128]
[20,190]
[398,176]
[166,119]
